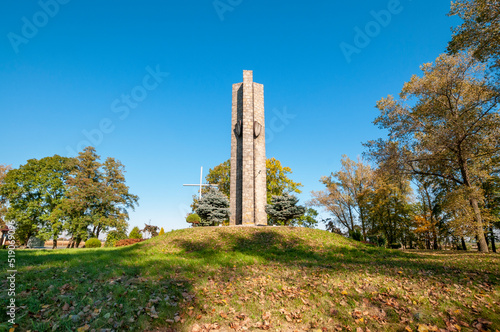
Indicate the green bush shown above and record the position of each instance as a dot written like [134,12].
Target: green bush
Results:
[193,218]
[135,233]
[355,235]
[93,243]
[378,240]
[114,236]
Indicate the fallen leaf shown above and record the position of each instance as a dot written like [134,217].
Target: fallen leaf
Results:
[83,328]
[422,328]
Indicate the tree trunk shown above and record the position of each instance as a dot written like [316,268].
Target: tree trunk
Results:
[350,216]
[77,244]
[363,227]
[493,247]
[389,234]
[431,214]
[464,247]
[30,233]
[481,241]
[54,243]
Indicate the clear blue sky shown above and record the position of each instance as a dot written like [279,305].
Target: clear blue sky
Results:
[69,68]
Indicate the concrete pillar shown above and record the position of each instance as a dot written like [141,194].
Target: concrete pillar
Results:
[248,154]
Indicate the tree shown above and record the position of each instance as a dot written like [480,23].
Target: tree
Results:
[97,198]
[330,225]
[81,205]
[277,180]
[162,231]
[116,198]
[3,202]
[345,194]
[135,233]
[114,236]
[308,219]
[336,201]
[429,212]
[390,212]
[284,208]
[480,30]
[492,202]
[456,202]
[213,208]
[193,219]
[445,126]
[152,230]
[33,192]
[220,175]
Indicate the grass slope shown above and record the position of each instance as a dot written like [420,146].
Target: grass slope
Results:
[236,278]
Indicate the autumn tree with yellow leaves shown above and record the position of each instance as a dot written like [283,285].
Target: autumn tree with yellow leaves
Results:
[445,126]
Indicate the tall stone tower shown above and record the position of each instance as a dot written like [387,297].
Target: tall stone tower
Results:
[248,154]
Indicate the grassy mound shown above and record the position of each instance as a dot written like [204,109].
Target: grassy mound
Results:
[255,278]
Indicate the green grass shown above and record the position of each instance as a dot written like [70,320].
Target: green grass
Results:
[276,278]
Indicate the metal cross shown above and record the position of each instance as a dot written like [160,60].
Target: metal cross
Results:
[201,184]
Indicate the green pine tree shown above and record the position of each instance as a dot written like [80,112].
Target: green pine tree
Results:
[213,208]
[135,233]
[283,209]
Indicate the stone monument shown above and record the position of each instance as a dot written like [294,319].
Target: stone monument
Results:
[248,154]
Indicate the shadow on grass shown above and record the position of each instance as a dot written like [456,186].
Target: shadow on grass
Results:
[114,281]
[295,251]
[263,244]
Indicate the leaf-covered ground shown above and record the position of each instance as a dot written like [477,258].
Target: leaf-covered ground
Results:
[254,278]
